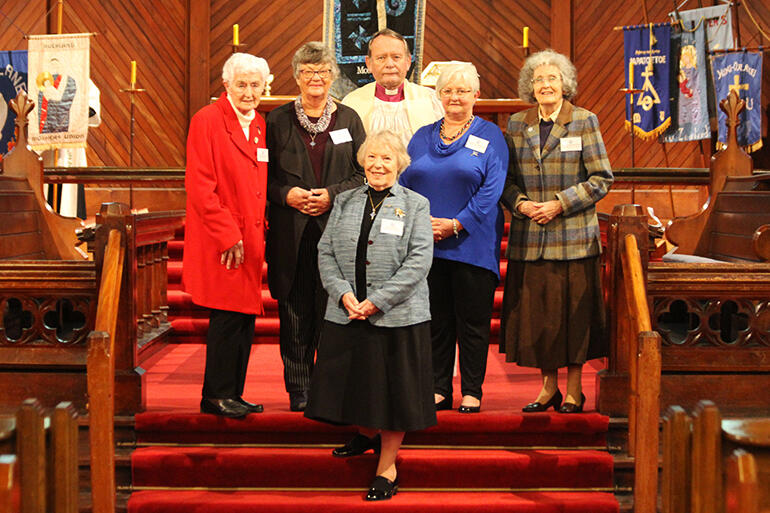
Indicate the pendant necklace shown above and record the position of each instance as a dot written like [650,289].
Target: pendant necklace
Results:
[373,213]
[313,128]
[453,137]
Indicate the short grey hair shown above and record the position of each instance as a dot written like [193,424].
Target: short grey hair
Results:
[239,63]
[552,58]
[389,139]
[314,52]
[386,32]
[465,72]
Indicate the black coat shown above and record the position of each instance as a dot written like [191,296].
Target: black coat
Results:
[290,166]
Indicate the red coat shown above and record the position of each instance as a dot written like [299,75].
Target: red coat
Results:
[226,186]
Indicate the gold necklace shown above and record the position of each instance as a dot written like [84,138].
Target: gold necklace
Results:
[448,138]
[374,208]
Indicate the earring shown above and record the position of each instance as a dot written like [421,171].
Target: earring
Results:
[366,182]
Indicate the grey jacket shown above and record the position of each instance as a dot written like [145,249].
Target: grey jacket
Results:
[397,274]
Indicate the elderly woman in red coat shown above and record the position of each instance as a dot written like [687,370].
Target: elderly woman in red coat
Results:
[225,179]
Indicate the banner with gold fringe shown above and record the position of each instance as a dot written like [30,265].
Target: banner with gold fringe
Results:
[740,71]
[647,52]
[13,80]
[58,82]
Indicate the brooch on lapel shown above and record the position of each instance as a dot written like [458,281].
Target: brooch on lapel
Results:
[475,154]
[399,212]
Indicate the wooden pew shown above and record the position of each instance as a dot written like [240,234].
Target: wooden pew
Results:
[714,465]
[39,460]
[49,292]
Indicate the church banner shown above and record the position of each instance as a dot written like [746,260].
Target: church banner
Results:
[13,80]
[58,83]
[689,110]
[646,50]
[740,71]
[348,25]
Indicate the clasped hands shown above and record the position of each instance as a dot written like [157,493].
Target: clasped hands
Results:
[358,311]
[313,202]
[541,213]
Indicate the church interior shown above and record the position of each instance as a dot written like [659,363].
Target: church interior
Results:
[103,351]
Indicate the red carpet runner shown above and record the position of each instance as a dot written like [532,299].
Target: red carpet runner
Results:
[496,461]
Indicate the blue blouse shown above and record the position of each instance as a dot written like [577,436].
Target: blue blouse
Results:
[463,181]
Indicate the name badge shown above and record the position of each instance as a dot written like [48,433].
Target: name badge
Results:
[262,155]
[392,227]
[477,143]
[340,136]
[571,144]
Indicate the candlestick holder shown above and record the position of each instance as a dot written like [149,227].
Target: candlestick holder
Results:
[237,47]
[132,91]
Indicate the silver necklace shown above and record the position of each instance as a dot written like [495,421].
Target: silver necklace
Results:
[313,128]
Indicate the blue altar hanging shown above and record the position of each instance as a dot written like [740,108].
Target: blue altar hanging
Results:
[647,52]
[13,80]
[741,71]
[348,25]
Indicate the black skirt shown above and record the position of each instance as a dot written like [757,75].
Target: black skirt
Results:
[374,377]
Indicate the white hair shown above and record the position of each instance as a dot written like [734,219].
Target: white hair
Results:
[543,58]
[464,71]
[239,63]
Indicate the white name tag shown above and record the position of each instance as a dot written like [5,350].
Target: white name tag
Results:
[262,155]
[571,144]
[340,136]
[392,227]
[477,143]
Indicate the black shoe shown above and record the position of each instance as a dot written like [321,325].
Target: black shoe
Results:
[382,489]
[250,407]
[298,401]
[444,404]
[554,401]
[573,408]
[469,409]
[359,444]
[224,407]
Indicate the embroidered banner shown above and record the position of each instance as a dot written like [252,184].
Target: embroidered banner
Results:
[741,71]
[348,25]
[646,49]
[13,80]
[58,82]
[689,110]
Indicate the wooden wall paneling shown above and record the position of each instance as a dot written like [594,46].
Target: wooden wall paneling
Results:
[270,29]
[562,33]
[28,17]
[198,56]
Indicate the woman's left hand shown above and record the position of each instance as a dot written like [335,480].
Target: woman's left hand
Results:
[547,211]
[442,228]
[367,308]
[318,203]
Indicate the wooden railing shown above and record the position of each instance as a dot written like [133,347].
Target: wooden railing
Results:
[711,465]
[101,378]
[39,460]
[644,377]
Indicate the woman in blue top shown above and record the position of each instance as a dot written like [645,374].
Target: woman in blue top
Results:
[459,163]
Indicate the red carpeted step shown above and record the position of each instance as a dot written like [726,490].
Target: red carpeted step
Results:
[196,326]
[436,468]
[483,429]
[352,502]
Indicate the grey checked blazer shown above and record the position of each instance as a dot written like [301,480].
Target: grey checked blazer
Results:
[397,274]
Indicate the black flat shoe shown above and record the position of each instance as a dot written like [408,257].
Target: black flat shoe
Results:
[359,444]
[224,408]
[250,407]
[469,409]
[573,408]
[297,401]
[382,489]
[444,404]
[554,402]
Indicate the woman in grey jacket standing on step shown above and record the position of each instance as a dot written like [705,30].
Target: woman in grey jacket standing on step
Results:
[374,358]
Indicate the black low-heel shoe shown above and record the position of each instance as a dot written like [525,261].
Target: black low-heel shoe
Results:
[554,401]
[469,409]
[444,404]
[382,489]
[359,444]
[250,407]
[573,408]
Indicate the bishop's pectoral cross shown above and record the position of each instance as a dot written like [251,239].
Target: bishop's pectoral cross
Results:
[737,86]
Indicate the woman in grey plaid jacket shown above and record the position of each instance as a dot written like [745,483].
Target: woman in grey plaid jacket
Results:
[553,315]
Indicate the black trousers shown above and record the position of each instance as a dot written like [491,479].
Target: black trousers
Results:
[301,314]
[461,300]
[228,345]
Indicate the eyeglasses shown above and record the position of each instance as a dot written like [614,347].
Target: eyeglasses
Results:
[451,92]
[243,86]
[307,74]
[551,79]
